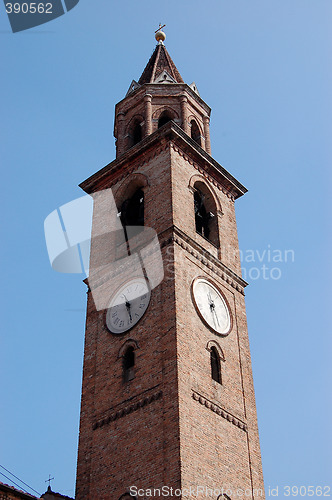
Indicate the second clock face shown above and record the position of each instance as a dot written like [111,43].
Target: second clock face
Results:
[211,306]
[128,305]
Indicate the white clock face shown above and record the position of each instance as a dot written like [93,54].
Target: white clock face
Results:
[211,306]
[128,305]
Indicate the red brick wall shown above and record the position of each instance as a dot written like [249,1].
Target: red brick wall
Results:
[171,425]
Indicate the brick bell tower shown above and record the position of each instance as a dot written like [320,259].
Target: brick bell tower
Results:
[167,396]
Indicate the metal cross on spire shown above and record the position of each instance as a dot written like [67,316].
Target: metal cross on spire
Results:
[49,480]
[160,27]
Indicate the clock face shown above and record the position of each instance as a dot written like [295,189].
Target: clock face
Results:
[211,306]
[128,305]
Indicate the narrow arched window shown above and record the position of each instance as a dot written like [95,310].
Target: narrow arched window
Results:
[215,365]
[165,117]
[195,133]
[137,133]
[128,364]
[206,221]
[134,133]
[132,210]
[202,216]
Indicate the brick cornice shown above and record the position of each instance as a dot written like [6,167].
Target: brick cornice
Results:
[170,135]
[155,89]
[127,407]
[216,408]
[121,168]
[174,234]
[202,171]
[206,258]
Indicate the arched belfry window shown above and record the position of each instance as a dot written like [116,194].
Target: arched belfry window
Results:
[215,365]
[205,213]
[202,216]
[132,210]
[165,117]
[137,133]
[195,132]
[128,364]
[134,135]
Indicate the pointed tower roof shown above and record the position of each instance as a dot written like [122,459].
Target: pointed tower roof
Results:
[159,61]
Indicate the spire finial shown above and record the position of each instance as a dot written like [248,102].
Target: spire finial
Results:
[49,482]
[160,35]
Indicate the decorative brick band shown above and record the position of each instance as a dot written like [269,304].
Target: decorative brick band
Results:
[219,411]
[188,244]
[202,171]
[137,165]
[128,409]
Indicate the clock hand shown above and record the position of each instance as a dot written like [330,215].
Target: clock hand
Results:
[128,310]
[212,309]
[211,302]
[128,306]
[216,315]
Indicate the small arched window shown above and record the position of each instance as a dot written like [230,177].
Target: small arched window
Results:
[132,210]
[165,117]
[128,364]
[215,365]
[195,133]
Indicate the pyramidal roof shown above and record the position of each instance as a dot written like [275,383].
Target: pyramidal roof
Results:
[160,62]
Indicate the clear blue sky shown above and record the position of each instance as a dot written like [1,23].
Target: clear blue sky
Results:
[264,67]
